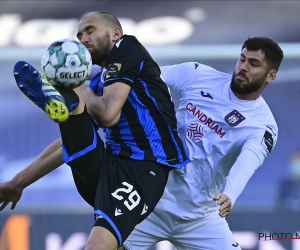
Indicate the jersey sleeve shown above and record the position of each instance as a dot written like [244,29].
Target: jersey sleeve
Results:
[262,142]
[125,62]
[253,154]
[240,173]
[178,77]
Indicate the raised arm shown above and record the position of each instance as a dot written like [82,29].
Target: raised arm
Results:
[50,159]
[106,109]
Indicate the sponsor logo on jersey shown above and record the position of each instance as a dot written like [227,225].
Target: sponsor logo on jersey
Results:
[206,95]
[113,70]
[204,119]
[268,141]
[196,65]
[195,131]
[234,118]
[235,245]
[97,216]
[145,209]
[118,212]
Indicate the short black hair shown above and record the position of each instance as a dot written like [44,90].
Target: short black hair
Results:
[270,48]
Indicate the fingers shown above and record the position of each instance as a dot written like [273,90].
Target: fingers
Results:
[224,211]
[13,205]
[3,205]
[225,204]
[217,197]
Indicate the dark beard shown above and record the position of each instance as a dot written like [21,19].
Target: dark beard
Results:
[249,88]
[100,55]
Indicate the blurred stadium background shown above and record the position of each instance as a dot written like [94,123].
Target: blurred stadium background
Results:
[51,215]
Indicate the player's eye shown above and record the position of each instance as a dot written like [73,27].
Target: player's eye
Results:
[79,37]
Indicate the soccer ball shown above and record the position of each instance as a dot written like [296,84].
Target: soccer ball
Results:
[66,63]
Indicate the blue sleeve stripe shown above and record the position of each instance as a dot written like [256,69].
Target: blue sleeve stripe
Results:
[116,79]
[67,158]
[141,66]
[99,212]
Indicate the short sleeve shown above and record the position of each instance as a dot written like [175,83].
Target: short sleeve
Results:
[124,62]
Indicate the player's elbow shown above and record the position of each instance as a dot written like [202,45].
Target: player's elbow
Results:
[108,124]
[109,120]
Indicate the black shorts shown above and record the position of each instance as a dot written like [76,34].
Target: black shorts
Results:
[122,191]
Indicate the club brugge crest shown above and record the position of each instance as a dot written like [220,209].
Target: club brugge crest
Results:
[234,118]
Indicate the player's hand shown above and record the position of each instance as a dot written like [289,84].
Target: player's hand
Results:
[9,193]
[86,92]
[225,204]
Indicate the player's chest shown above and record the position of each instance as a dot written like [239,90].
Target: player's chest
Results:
[213,118]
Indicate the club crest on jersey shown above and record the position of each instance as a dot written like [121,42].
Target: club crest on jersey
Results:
[234,118]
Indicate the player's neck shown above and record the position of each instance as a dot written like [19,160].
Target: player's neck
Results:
[248,97]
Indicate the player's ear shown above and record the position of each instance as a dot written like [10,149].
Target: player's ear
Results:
[117,33]
[271,75]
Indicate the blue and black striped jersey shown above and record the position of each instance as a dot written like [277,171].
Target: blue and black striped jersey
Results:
[147,129]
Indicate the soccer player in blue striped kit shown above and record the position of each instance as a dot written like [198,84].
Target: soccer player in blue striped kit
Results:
[128,98]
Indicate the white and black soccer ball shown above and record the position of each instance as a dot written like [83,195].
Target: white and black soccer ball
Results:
[66,63]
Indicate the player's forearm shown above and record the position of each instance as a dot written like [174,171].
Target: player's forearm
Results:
[106,109]
[96,108]
[240,173]
[95,105]
[50,159]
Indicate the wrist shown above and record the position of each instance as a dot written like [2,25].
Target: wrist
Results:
[18,183]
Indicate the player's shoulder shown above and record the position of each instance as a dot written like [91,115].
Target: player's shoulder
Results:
[200,69]
[265,116]
[124,47]
[210,71]
[265,109]
[127,41]
[130,38]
